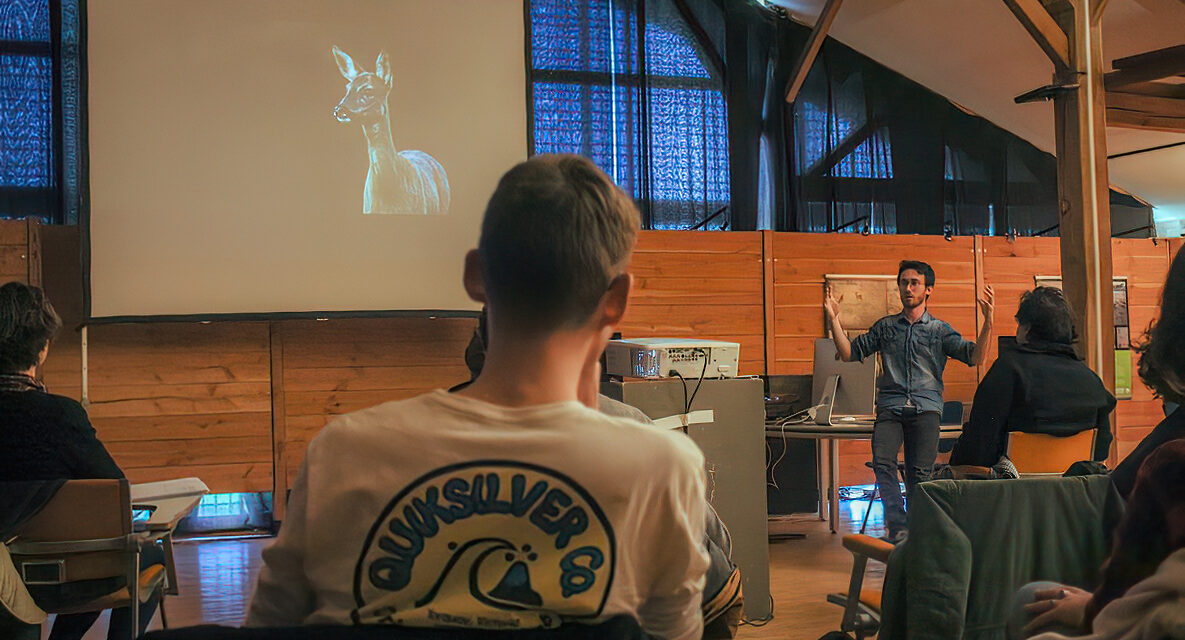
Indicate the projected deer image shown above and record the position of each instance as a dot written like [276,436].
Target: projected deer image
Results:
[403,182]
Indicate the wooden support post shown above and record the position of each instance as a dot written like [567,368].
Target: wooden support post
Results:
[279,425]
[767,286]
[803,66]
[1084,192]
[980,283]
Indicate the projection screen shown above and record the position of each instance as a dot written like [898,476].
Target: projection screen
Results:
[277,156]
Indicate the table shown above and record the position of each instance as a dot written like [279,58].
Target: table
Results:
[166,514]
[851,431]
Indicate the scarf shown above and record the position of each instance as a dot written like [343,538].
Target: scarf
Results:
[19,382]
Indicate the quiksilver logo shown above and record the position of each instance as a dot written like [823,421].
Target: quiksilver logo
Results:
[489,544]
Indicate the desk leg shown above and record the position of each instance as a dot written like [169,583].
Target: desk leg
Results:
[821,478]
[832,489]
[170,566]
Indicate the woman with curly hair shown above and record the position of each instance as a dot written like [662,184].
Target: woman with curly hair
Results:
[1162,367]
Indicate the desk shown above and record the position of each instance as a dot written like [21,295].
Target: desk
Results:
[167,513]
[830,434]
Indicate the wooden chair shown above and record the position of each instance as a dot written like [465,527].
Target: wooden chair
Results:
[1041,454]
[85,533]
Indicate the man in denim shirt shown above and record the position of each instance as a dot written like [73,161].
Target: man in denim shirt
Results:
[914,346]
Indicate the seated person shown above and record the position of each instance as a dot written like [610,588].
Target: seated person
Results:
[1142,593]
[510,504]
[1162,367]
[48,437]
[723,601]
[1038,386]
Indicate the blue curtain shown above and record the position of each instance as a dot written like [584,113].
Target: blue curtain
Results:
[40,115]
[625,83]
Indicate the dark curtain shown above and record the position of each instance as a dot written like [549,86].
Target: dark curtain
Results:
[864,149]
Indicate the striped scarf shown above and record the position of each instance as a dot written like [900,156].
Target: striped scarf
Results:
[19,382]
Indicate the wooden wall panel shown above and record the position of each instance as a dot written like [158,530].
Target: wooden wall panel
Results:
[14,251]
[800,262]
[338,366]
[197,399]
[173,399]
[700,284]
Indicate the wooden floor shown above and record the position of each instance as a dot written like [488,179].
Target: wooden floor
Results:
[216,577]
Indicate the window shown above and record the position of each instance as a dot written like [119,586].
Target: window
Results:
[661,133]
[39,52]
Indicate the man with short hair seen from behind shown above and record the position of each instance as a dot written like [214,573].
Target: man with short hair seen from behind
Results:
[914,347]
[511,504]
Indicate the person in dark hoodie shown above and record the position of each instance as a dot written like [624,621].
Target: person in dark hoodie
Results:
[48,438]
[1039,385]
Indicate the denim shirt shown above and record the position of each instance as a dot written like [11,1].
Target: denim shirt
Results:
[913,357]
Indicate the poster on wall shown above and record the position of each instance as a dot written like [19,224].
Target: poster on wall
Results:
[863,299]
[1123,354]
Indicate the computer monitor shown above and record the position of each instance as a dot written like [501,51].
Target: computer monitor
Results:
[856,393]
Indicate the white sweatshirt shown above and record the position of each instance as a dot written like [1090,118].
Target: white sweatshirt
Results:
[447,511]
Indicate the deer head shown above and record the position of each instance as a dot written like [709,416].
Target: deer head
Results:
[366,93]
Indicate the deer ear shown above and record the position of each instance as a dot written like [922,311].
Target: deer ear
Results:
[382,68]
[345,63]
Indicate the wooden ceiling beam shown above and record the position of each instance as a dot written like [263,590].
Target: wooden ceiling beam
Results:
[1156,89]
[1152,105]
[1043,28]
[1124,119]
[1096,12]
[807,58]
[1154,65]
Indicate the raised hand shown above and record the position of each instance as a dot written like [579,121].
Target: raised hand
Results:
[830,304]
[987,304]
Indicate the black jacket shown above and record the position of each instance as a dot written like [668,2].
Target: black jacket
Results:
[48,437]
[1035,388]
[1171,428]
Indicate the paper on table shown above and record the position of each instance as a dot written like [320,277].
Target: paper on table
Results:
[148,491]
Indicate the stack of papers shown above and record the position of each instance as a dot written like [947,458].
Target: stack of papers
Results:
[154,491]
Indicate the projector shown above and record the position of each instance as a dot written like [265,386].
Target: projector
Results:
[658,357]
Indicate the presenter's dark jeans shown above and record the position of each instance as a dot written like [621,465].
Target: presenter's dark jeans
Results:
[919,433]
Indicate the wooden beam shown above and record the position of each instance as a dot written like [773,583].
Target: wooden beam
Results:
[715,60]
[1083,191]
[1152,105]
[1096,12]
[1125,119]
[813,45]
[845,147]
[1157,89]
[279,424]
[1043,28]
[1154,65]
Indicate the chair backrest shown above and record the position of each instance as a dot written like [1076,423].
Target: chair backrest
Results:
[952,412]
[87,519]
[973,543]
[1041,453]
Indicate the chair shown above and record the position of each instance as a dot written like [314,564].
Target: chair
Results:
[20,617]
[1038,453]
[972,544]
[862,608]
[85,533]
